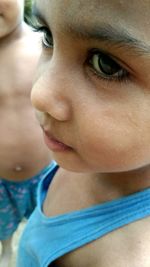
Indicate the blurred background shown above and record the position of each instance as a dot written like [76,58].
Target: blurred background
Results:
[16,237]
[27,10]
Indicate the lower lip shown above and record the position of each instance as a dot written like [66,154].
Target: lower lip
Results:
[55,145]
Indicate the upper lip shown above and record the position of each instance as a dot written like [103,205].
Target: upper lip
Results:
[52,136]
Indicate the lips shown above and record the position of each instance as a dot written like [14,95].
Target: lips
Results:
[54,144]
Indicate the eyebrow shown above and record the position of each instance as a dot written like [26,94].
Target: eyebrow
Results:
[113,36]
[35,12]
[118,37]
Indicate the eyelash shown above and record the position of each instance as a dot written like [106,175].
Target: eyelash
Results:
[45,32]
[123,77]
[37,27]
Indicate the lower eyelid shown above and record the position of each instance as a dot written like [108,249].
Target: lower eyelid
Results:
[108,79]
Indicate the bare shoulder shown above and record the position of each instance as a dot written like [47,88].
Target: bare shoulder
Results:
[128,246]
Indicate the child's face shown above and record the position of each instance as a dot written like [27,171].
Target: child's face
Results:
[11,12]
[93,83]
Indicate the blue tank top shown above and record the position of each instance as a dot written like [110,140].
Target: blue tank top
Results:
[46,239]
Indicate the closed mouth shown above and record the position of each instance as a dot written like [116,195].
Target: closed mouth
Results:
[53,143]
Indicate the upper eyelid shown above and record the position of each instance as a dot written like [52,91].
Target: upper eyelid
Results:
[111,78]
[39,26]
[38,19]
[37,22]
[102,53]
[114,58]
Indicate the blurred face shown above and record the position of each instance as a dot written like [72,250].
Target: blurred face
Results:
[92,90]
[11,12]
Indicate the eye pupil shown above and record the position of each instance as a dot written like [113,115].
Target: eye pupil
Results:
[107,65]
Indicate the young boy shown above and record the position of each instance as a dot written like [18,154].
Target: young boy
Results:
[92,94]
[24,158]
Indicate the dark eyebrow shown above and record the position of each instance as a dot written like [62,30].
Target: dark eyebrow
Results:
[113,36]
[118,37]
[35,12]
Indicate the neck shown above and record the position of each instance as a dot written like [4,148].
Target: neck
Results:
[121,184]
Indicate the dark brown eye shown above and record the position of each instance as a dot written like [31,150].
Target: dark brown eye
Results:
[106,66]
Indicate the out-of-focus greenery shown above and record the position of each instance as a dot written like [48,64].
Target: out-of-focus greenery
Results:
[27,9]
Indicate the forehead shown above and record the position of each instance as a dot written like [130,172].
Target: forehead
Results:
[133,15]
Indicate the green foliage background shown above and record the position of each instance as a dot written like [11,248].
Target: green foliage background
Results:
[27,9]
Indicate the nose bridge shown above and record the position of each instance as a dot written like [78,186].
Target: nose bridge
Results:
[50,93]
[58,79]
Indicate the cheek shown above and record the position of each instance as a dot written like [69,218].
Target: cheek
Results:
[4,5]
[5,27]
[113,140]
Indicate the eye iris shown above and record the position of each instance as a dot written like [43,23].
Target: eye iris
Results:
[108,66]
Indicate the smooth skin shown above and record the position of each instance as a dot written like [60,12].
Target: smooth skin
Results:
[92,93]
[22,150]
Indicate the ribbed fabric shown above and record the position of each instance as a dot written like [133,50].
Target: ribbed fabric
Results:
[46,239]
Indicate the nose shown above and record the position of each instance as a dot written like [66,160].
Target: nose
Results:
[49,95]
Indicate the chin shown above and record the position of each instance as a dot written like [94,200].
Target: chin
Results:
[70,164]
[4,31]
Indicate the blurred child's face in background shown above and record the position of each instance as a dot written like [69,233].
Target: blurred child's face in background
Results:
[11,12]
[93,82]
